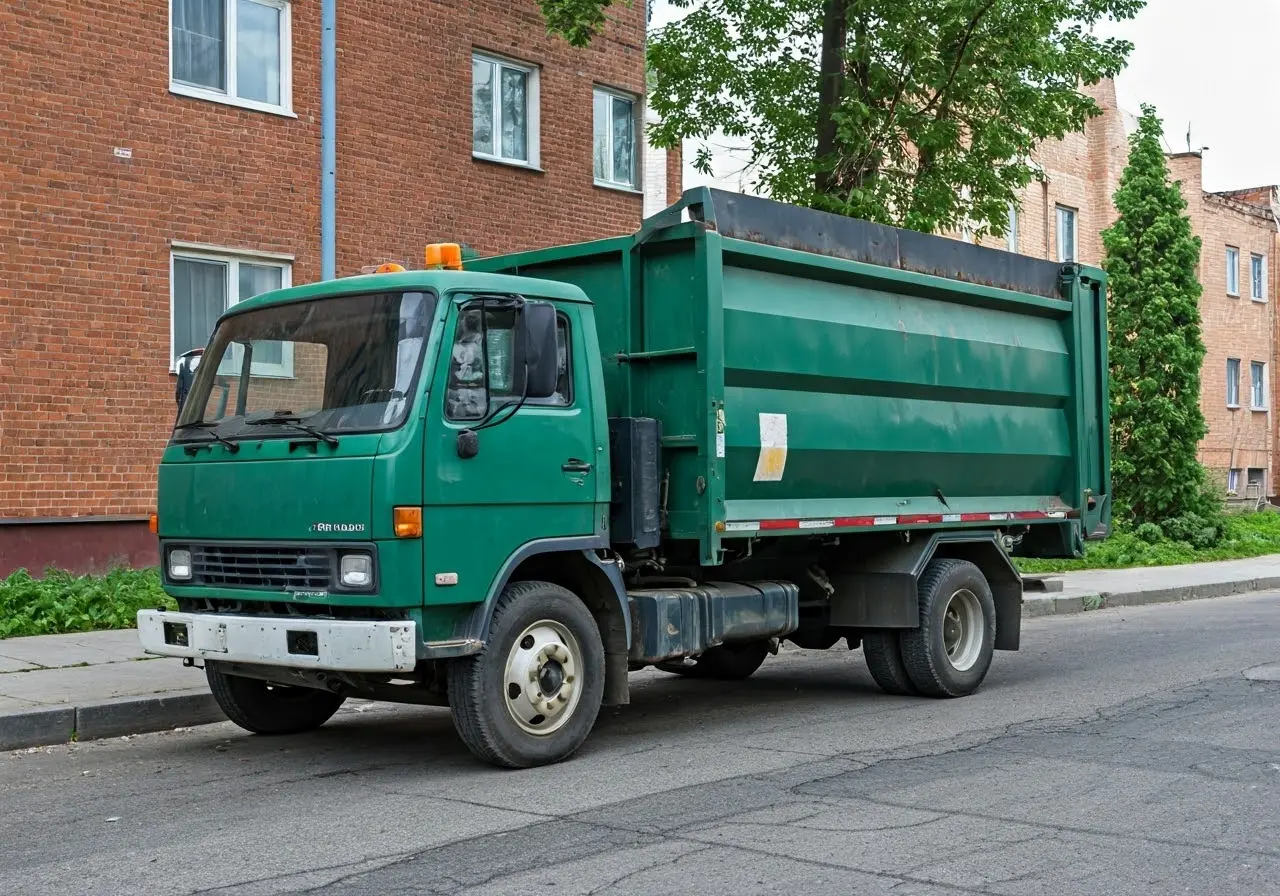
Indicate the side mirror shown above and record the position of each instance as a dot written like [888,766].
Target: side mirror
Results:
[538,323]
[187,364]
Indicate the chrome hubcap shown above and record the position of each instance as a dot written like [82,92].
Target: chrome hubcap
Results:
[963,630]
[541,683]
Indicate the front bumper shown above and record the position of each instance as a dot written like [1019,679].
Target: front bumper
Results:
[336,645]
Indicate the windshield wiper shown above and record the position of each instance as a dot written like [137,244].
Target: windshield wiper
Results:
[295,421]
[206,426]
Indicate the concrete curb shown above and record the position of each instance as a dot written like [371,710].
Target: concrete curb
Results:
[45,726]
[1082,603]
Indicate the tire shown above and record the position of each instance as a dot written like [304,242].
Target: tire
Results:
[951,651]
[883,653]
[265,708]
[539,633]
[724,662]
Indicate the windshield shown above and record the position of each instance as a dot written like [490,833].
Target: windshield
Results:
[346,364]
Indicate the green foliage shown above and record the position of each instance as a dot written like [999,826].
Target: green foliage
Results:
[1156,348]
[577,21]
[1241,536]
[1150,533]
[61,602]
[930,110]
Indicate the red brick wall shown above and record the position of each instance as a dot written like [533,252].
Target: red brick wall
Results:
[86,399]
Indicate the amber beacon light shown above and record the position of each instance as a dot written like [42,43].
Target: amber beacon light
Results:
[443,255]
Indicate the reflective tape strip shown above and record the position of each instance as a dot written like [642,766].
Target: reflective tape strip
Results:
[919,519]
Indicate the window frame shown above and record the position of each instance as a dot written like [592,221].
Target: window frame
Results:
[228,97]
[637,136]
[1059,208]
[533,106]
[1011,235]
[232,258]
[1258,386]
[1233,383]
[542,404]
[1233,271]
[1258,287]
[1233,480]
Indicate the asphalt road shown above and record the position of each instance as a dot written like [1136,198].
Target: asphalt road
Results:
[1121,751]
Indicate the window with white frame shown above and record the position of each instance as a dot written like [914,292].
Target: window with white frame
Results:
[1233,382]
[1257,385]
[232,51]
[504,111]
[1233,481]
[204,284]
[1233,271]
[616,162]
[1011,236]
[1066,233]
[1257,278]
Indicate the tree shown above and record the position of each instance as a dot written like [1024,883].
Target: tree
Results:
[577,21]
[920,113]
[1156,347]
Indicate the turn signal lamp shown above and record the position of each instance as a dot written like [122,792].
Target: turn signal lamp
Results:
[154,524]
[389,268]
[443,255]
[407,521]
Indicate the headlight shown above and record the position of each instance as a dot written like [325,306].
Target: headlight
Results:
[356,570]
[179,564]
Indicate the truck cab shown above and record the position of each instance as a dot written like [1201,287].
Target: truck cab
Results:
[325,513]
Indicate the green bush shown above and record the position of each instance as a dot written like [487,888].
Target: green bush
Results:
[1190,538]
[61,602]
[1150,533]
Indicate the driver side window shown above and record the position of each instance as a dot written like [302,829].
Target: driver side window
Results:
[482,371]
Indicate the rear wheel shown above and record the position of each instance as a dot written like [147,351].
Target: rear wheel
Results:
[883,653]
[951,651]
[265,708]
[531,696]
[724,662]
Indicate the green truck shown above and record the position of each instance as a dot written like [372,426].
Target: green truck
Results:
[503,486]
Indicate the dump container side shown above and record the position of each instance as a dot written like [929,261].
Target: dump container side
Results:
[856,392]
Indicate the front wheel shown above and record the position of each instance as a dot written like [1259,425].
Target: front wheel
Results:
[951,651]
[265,708]
[531,696]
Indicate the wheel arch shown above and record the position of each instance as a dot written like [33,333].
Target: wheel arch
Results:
[878,590]
[573,564]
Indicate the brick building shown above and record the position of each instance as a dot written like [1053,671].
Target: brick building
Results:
[160,161]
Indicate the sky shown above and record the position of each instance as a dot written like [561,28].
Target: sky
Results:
[1209,63]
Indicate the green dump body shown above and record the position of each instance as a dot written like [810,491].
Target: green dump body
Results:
[813,372]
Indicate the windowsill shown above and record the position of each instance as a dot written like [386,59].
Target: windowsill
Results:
[1233,295]
[1258,301]
[212,96]
[507,163]
[1233,407]
[1259,410]
[619,188]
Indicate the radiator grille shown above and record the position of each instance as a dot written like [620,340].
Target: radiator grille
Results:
[267,568]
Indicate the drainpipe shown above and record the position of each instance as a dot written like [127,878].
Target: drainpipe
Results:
[328,135]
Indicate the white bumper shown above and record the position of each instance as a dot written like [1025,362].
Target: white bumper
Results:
[338,645]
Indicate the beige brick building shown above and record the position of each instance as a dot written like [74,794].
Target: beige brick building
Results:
[1061,217]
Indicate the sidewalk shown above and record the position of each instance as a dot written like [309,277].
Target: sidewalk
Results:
[56,688]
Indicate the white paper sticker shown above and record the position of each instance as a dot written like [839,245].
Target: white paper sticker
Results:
[773,448]
[720,432]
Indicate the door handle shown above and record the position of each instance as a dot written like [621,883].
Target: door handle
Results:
[573,465]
